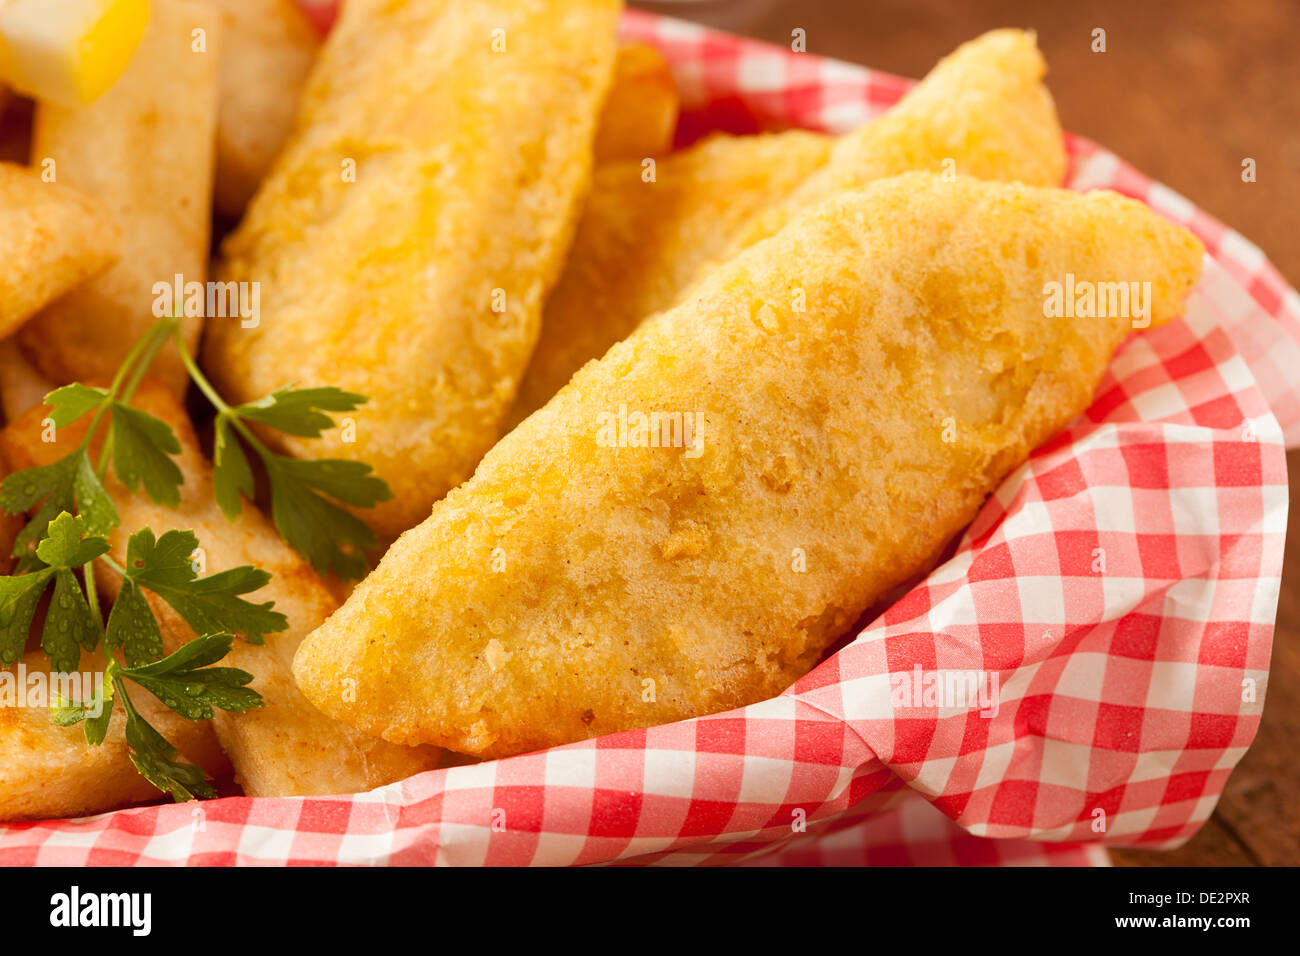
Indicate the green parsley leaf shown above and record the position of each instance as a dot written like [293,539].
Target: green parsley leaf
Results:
[300,411]
[231,474]
[209,605]
[349,481]
[142,446]
[93,502]
[18,597]
[68,484]
[23,489]
[190,689]
[66,545]
[329,537]
[156,759]
[96,728]
[132,627]
[70,402]
[70,625]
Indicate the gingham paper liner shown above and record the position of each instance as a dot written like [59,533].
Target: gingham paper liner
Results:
[1121,692]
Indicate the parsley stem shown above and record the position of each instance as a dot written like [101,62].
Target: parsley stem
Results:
[156,339]
[92,592]
[213,396]
[137,363]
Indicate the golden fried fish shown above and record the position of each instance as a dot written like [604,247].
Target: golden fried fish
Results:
[982,111]
[408,233]
[698,515]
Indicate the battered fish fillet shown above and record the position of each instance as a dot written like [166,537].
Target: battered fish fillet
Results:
[582,583]
[52,237]
[640,244]
[288,747]
[983,111]
[144,149]
[639,117]
[983,108]
[468,130]
[269,47]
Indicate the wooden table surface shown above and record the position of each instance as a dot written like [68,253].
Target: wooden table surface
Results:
[1185,90]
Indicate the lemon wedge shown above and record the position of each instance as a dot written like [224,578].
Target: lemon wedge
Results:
[68,52]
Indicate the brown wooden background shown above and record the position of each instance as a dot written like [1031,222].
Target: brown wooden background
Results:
[1185,91]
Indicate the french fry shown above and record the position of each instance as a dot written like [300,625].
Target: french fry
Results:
[52,237]
[49,771]
[982,111]
[268,47]
[639,244]
[288,747]
[144,149]
[21,386]
[410,230]
[640,114]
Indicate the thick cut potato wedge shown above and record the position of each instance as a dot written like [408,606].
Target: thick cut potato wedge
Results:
[407,235]
[640,115]
[269,47]
[145,150]
[52,238]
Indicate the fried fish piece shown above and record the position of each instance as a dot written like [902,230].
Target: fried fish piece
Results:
[408,233]
[52,237]
[640,114]
[605,569]
[983,109]
[145,150]
[269,47]
[640,244]
[288,747]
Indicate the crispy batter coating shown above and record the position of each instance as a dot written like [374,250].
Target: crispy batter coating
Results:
[420,284]
[983,111]
[269,47]
[52,237]
[288,747]
[580,583]
[639,117]
[145,150]
[983,107]
[639,243]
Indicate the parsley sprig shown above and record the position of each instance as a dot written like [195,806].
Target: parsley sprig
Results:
[66,537]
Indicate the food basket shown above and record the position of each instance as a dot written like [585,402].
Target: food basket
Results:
[1121,587]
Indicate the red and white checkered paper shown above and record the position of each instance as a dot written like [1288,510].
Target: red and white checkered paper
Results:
[1121,691]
